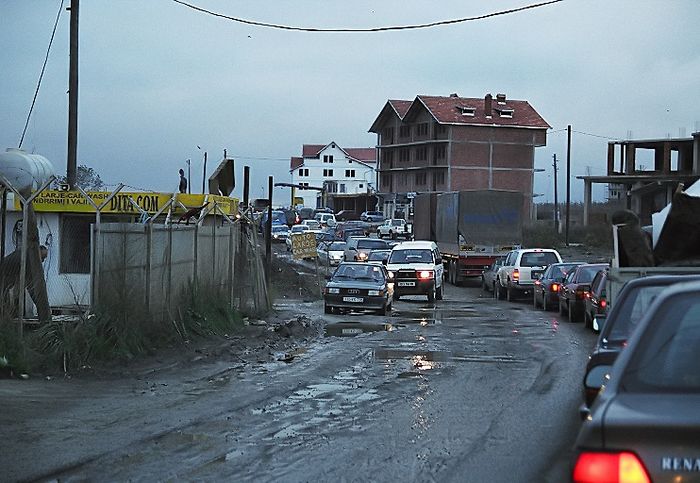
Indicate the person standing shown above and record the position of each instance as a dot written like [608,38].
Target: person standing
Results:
[183,182]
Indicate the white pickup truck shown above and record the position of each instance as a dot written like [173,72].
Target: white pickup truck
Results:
[394,228]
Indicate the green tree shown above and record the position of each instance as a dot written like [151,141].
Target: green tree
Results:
[86,177]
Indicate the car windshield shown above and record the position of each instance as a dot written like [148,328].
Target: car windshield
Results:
[371,244]
[359,272]
[336,246]
[411,256]
[397,222]
[665,359]
[277,228]
[633,308]
[559,271]
[538,259]
[312,224]
[299,228]
[379,255]
[587,274]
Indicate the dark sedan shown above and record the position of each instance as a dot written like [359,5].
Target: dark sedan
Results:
[488,276]
[547,287]
[358,286]
[596,302]
[575,287]
[645,425]
[631,304]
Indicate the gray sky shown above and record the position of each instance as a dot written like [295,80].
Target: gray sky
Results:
[157,78]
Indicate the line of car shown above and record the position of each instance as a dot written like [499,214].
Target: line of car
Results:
[641,388]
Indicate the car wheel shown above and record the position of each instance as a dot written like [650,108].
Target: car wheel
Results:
[379,234]
[493,290]
[328,309]
[545,307]
[438,293]
[498,291]
[396,296]
[587,321]
[561,306]
[383,310]
[431,295]
[573,314]
[534,299]
[484,287]
[510,296]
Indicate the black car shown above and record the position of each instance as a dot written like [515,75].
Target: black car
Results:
[358,286]
[575,288]
[630,306]
[596,303]
[379,256]
[645,426]
[547,287]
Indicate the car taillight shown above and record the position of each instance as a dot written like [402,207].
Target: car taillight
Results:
[603,303]
[425,274]
[516,274]
[537,282]
[555,287]
[623,467]
[581,293]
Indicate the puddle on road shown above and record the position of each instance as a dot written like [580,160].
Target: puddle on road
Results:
[351,329]
[422,356]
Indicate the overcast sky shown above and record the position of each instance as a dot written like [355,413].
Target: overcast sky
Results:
[157,79]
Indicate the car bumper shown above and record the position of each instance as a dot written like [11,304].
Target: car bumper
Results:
[419,287]
[367,302]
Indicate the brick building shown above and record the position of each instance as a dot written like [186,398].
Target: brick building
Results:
[437,144]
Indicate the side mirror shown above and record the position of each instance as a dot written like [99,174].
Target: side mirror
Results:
[599,322]
[328,277]
[384,262]
[438,260]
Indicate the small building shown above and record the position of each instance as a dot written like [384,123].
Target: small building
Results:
[644,173]
[436,144]
[65,221]
[347,173]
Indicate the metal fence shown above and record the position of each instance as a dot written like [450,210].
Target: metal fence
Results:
[155,262]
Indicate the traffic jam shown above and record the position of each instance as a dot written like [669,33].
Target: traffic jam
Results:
[640,394]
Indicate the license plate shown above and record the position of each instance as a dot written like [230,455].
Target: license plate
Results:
[353,299]
[352,331]
[407,284]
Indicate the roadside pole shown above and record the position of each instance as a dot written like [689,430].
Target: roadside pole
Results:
[556,197]
[268,232]
[568,181]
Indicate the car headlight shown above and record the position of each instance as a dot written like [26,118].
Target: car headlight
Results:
[334,290]
[375,292]
[391,274]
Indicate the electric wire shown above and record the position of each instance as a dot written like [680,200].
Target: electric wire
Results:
[41,76]
[373,29]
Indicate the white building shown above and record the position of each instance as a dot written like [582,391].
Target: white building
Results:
[350,171]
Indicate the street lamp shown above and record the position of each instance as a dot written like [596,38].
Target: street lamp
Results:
[189,176]
[204,172]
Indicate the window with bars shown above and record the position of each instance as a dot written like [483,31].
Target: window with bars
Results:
[349,173]
[421,153]
[404,155]
[422,129]
[420,179]
[405,132]
[327,172]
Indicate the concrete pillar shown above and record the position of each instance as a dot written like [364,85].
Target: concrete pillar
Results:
[587,192]
[629,159]
[611,159]
[667,158]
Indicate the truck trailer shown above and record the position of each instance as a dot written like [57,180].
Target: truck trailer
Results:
[472,228]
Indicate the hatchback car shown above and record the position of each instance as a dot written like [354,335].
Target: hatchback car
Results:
[372,216]
[280,233]
[644,426]
[358,286]
[575,288]
[357,249]
[547,287]
[331,253]
[596,302]
[488,277]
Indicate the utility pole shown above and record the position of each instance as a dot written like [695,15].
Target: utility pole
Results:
[268,232]
[246,187]
[568,182]
[556,196]
[72,163]
[189,176]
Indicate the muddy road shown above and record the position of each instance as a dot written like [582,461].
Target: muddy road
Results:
[467,389]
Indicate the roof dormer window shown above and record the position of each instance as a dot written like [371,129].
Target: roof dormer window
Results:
[467,111]
[507,113]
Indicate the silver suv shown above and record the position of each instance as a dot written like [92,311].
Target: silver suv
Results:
[520,270]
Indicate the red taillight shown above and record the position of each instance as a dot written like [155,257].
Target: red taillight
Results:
[581,293]
[425,274]
[621,467]
[603,303]
[537,282]
[516,274]
[555,287]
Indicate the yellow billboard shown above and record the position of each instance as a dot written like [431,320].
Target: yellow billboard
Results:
[74,202]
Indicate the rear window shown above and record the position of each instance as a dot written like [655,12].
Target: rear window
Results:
[411,256]
[665,360]
[587,274]
[336,246]
[538,259]
[397,222]
[633,308]
[560,271]
[372,244]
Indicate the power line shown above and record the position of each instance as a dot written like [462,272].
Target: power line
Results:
[594,135]
[375,29]
[41,76]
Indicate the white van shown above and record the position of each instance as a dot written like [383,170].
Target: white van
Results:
[416,269]
[325,219]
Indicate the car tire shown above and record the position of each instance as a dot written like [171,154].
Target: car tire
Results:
[545,307]
[497,290]
[379,234]
[561,307]
[587,321]
[392,235]
[438,293]
[383,310]
[510,296]
[327,309]
[396,296]
[573,315]
[484,287]
[534,300]
[431,295]
[493,291]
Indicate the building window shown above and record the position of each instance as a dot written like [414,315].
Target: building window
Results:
[304,172]
[422,129]
[441,129]
[404,155]
[507,113]
[403,179]
[468,111]
[327,172]
[420,179]
[388,158]
[327,158]
[305,185]
[439,177]
[75,243]
[421,153]
[405,132]
[349,173]
[388,135]
[386,180]
[362,185]
[342,187]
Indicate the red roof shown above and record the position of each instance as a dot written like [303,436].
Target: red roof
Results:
[368,155]
[296,162]
[467,110]
[311,150]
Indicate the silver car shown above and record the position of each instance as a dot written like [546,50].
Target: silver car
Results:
[645,423]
